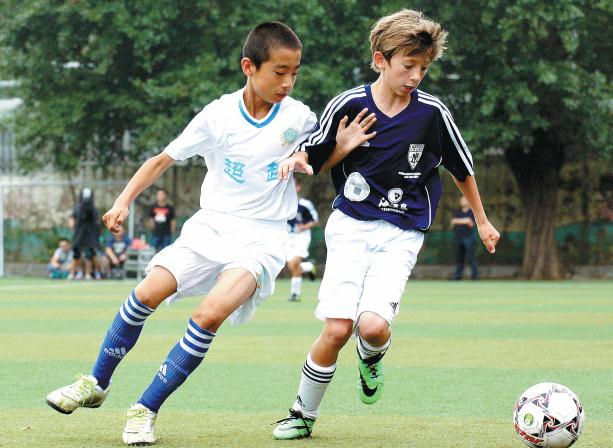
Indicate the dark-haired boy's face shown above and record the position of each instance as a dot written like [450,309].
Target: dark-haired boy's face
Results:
[275,78]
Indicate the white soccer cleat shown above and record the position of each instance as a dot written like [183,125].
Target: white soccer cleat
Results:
[139,427]
[85,393]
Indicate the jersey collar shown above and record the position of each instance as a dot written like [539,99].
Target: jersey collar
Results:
[258,123]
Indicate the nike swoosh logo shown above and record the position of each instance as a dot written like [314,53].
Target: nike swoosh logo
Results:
[367,390]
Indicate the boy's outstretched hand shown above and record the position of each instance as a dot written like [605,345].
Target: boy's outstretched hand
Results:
[489,235]
[115,217]
[298,162]
[350,136]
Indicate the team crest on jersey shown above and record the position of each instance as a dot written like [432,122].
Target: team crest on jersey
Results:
[356,188]
[415,152]
[289,136]
[395,195]
[231,139]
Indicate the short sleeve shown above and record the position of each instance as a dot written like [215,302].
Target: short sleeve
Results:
[196,138]
[322,141]
[456,155]
[171,213]
[312,211]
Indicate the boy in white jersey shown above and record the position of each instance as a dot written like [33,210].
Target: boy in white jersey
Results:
[233,247]
[387,189]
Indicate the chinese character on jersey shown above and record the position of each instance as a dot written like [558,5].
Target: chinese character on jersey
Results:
[271,171]
[236,170]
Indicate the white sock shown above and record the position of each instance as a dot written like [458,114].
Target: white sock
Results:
[313,384]
[368,351]
[296,283]
[306,266]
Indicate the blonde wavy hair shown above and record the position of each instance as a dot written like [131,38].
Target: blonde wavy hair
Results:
[409,32]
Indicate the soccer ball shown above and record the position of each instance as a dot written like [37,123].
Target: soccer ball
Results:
[548,415]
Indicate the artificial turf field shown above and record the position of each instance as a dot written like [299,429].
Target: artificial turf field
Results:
[462,352]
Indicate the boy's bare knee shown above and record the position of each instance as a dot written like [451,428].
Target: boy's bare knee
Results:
[373,328]
[209,319]
[147,297]
[338,333]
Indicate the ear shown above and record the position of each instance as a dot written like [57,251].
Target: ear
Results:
[248,67]
[379,60]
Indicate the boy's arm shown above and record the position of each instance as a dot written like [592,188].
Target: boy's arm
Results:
[143,178]
[488,234]
[55,261]
[348,137]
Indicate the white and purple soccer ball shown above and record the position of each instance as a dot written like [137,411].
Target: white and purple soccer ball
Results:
[548,415]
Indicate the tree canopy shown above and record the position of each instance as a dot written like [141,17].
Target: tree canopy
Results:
[530,78]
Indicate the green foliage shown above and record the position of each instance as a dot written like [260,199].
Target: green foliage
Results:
[92,71]
[530,67]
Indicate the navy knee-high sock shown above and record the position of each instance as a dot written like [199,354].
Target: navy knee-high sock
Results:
[120,338]
[180,363]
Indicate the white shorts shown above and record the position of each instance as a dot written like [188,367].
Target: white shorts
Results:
[298,245]
[367,267]
[211,243]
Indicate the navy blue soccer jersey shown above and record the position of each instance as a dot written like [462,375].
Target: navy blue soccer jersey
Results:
[306,213]
[393,176]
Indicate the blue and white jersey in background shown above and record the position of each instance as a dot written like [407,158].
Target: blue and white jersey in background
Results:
[242,155]
[394,176]
[306,213]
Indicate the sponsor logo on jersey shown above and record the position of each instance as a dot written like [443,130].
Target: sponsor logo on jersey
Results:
[409,175]
[392,203]
[415,152]
[289,136]
[356,188]
[395,195]
[394,306]
[366,144]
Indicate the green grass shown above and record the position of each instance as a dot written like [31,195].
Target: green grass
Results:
[461,354]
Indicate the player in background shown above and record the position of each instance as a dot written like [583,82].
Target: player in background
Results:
[298,243]
[232,249]
[385,173]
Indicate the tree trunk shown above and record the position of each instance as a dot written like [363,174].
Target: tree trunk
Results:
[537,173]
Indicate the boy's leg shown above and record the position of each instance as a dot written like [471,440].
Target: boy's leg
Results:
[91,390]
[307,267]
[317,373]
[374,338]
[234,287]
[296,281]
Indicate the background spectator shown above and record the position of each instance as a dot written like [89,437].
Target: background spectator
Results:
[163,220]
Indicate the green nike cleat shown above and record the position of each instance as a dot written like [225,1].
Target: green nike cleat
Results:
[294,426]
[370,385]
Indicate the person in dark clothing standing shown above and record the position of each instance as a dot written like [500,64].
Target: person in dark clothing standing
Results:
[463,223]
[163,218]
[85,221]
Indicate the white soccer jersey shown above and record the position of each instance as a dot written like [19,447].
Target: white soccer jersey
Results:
[242,155]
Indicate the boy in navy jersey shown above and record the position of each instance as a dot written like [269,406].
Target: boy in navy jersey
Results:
[388,188]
